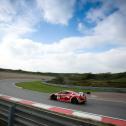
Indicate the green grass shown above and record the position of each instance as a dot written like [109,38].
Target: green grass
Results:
[39,86]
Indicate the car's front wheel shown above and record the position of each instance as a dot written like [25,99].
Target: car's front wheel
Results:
[74,101]
[53,97]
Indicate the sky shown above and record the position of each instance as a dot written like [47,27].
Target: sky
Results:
[63,36]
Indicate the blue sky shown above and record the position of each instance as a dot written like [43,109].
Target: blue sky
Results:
[63,35]
[51,32]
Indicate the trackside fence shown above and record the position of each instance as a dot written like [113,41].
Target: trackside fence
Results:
[14,114]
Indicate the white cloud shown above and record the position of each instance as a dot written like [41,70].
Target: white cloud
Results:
[6,11]
[28,55]
[57,11]
[98,14]
[82,28]
[113,28]
[16,19]
[95,15]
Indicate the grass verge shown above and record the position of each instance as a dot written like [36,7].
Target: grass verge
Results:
[41,87]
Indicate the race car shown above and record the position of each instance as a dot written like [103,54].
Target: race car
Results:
[69,96]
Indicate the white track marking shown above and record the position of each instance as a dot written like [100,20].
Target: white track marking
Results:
[87,115]
[15,99]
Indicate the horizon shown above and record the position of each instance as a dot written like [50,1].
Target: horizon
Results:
[61,36]
[58,73]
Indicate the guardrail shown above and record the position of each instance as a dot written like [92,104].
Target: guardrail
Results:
[19,112]
[16,114]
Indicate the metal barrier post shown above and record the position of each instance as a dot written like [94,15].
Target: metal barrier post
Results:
[11,115]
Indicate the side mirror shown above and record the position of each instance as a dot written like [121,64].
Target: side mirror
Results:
[88,92]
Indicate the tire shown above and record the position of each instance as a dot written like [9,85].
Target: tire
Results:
[74,101]
[53,97]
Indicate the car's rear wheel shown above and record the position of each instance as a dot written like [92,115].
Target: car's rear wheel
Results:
[74,101]
[53,97]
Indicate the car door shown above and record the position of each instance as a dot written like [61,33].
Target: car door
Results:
[66,96]
[60,96]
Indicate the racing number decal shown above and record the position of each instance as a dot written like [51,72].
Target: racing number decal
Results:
[58,96]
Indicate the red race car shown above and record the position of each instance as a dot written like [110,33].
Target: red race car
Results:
[69,96]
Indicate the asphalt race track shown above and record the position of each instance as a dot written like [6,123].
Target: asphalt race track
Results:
[111,108]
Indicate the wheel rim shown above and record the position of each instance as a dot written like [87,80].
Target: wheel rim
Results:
[74,101]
